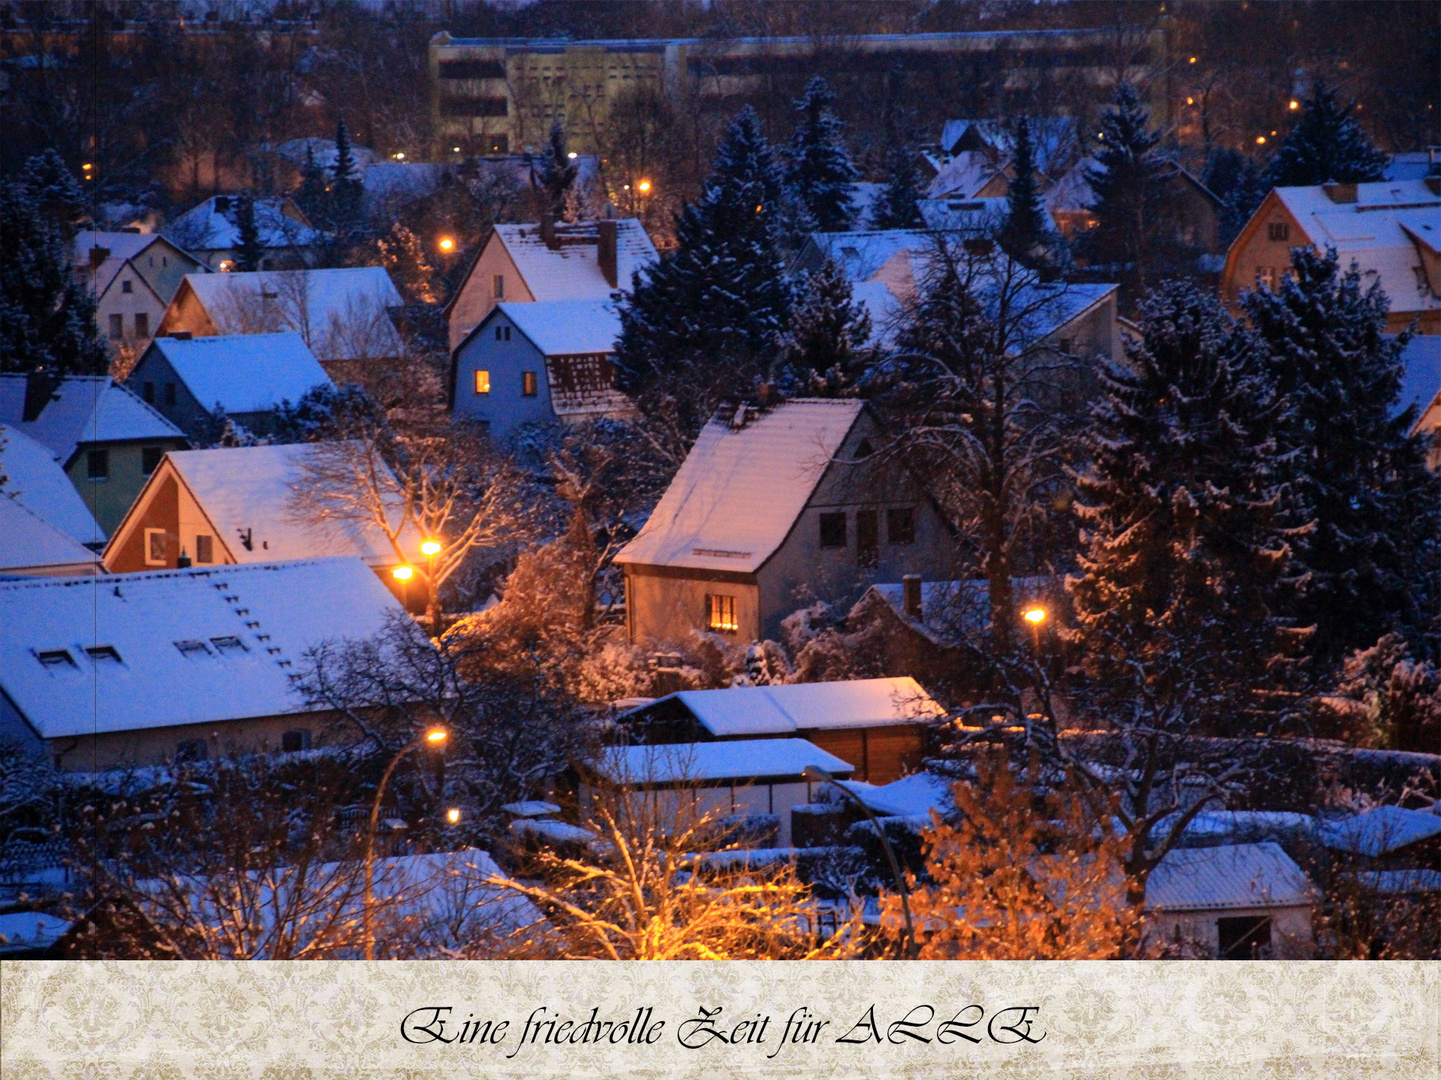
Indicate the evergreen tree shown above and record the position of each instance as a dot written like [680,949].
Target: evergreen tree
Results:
[1125,177]
[896,208]
[47,314]
[704,322]
[346,189]
[1183,569]
[826,348]
[1326,144]
[53,187]
[313,190]
[555,172]
[1355,474]
[248,251]
[821,173]
[1239,183]
[1025,234]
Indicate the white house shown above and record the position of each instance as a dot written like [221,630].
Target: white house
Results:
[143,668]
[540,361]
[550,261]
[769,502]
[249,375]
[212,232]
[877,724]
[133,277]
[343,315]
[239,505]
[1391,229]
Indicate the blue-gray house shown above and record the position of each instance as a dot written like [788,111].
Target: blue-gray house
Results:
[534,362]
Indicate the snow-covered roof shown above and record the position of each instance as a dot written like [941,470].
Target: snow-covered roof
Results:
[964,176]
[36,480]
[913,796]
[249,491]
[571,271]
[861,254]
[740,489]
[741,759]
[213,225]
[1421,377]
[773,710]
[1373,232]
[1072,192]
[29,930]
[189,646]
[1394,882]
[83,409]
[120,245]
[1380,831]
[343,314]
[394,183]
[567,327]
[955,214]
[883,307]
[1409,165]
[1231,877]
[244,372]
[31,545]
[1220,824]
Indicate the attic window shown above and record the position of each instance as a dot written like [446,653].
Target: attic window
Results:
[192,648]
[56,658]
[127,286]
[103,654]
[229,646]
[1278,230]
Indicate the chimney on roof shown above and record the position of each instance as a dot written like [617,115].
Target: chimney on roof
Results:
[180,335]
[605,251]
[1340,193]
[1434,183]
[39,392]
[98,255]
[1433,158]
[547,230]
[911,596]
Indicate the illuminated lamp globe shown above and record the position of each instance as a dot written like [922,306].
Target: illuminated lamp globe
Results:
[403,573]
[435,735]
[430,547]
[1035,616]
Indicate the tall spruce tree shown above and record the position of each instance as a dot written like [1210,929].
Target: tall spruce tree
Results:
[1355,474]
[1326,144]
[821,173]
[248,252]
[47,314]
[1125,177]
[1026,233]
[346,189]
[1184,563]
[555,171]
[896,207]
[704,321]
[827,344]
[312,194]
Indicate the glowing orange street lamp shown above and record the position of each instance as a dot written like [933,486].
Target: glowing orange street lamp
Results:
[643,187]
[1294,105]
[1035,616]
[453,815]
[446,243]
[403,573]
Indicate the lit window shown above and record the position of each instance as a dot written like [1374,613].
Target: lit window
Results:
[103,654]
[901,525]
[721,614]
[528,383]
[482,382]
[204,548]
[192,648]
[833,530]
[229,646]
[97,464]
[56,658]
[225,265]
[155,547]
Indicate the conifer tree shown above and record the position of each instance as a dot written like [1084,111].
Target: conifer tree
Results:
[704,322]
[1355,474]
[1026,231]
[345,186]
[248,251]
[896,208]
[826,347]
[47,314]
[1326,144]
[1184,564]
[313,190]
[1125,177]
[821,173]
[555,172]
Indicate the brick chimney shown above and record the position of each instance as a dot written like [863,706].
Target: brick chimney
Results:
[605,251]
[39,390]
[911,596]
[1340,193]
[547,230]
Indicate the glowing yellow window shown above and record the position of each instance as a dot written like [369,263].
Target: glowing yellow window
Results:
[482,382]
[721,614]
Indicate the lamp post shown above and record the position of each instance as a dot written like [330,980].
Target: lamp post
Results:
[430,549]
[403,574]
[434,737]
[819,775]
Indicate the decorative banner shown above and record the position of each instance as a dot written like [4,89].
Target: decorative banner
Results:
[278,1020]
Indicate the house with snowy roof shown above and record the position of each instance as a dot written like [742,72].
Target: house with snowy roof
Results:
[1391,836]
[551,261]
[871,255]
[45,526]
[538,362]
[248,375]
[211,231]
[138,669]
[104,437]
[245,505]
[875,724]
[133,277]
[1391,229]
[772,504]
[1193,212]
[343,315]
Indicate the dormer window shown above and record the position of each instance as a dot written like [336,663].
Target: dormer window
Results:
[103,654]
[192,648]
[56,658]
[229,646]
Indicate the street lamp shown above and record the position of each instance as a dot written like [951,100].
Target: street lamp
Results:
[435,737]
[446,243]
[818,775]
[643,187]
[403,573]
[453,815]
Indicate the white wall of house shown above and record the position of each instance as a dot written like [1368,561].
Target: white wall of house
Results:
[1291,928]
[478,294]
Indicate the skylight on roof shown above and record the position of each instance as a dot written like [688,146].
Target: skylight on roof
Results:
[192,648]
[229,646]
[104,654]
[56,658]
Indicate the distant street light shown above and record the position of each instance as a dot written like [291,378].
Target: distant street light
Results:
[1035,616]
[403,573]
[643,187]
[435,737]
[446,243]
[818,775]
[453,815]
[571,155]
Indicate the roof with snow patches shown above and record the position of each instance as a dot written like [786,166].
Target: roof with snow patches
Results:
[31,546]
[1380,831]
[244,372]
[133,651]
[83,409]
[566,327]
[214,224]
[710,762]
[1231,877]
[571,270]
